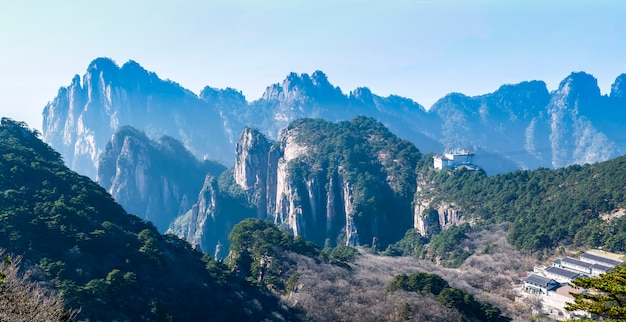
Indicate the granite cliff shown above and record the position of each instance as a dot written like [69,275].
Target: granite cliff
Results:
[349,182]
[517,126]
[155,180]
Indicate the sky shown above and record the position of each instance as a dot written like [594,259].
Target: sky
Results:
[420,49]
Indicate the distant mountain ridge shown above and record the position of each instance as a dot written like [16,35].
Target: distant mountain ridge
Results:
[517,126]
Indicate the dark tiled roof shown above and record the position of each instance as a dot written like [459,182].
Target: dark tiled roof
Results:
[562,272]
[574,261]
[601,259]
[538,280]
[600,267]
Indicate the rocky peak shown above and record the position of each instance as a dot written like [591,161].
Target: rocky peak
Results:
[578,86]
[81,119]
[156,180]
[294,87]
[102,65]
[310,182]
[362,95]
[250,169]
[216,96]
[618,89]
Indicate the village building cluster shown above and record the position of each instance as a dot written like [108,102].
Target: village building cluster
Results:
[552,285]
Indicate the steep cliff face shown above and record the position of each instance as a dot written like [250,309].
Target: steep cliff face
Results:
[157,181]
[81,119]
[431,216]
[347,181]
[252,166]
[517,126]
[209,221]
[573,136]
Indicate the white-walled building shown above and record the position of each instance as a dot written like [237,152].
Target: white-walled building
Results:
[562,275]
[537,284]
[598,259]
[453,160]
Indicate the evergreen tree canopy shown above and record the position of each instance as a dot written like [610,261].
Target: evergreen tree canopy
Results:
[608,299]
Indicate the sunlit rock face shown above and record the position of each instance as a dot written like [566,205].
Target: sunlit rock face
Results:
[518,126]
[81,119]
[155,180]
[320,190]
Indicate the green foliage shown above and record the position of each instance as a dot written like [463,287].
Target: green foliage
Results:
[445,246]
[547,208]
[254,247]
[111,265]
[292,283]
[256,254]
[412,244]
[378,167]
[418,282]
[608,299]
[452,298]
[339,255]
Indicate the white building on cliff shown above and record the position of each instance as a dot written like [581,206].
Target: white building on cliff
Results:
[455,160]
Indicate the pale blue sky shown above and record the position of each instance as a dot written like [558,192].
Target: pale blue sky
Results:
[419,49]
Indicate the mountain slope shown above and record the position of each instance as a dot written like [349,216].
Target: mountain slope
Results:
[155,180]
[82,118]
[578,206]
[111,265]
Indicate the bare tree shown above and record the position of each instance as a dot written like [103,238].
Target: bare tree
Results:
[22,299]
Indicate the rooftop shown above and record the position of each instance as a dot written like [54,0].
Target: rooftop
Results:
[600,267]
[574,261]
[538,280]
[601,259]
[562,272]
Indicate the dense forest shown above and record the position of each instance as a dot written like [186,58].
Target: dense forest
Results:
[579,205]
[107,264]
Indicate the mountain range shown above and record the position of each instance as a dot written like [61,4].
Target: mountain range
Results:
[519,126]
[304,167]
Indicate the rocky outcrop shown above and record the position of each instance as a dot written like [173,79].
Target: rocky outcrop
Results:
[310,183]
[155,180]
[207,224]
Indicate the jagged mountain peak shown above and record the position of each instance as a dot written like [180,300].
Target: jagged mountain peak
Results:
[102,64]
[214,95]
[320,79]
[579,83]
[363,95]
[454,103]
[297,86]
[533,86]
[132,65]
[618,89]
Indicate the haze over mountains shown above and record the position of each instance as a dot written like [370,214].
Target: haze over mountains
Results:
[304,167]
[518,126]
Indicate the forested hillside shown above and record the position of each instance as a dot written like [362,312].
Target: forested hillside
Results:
[571,206]
[106,263]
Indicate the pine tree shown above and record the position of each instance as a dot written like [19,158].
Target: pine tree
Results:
[608,296]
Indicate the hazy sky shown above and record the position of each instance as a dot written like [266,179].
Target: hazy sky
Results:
[419,49]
